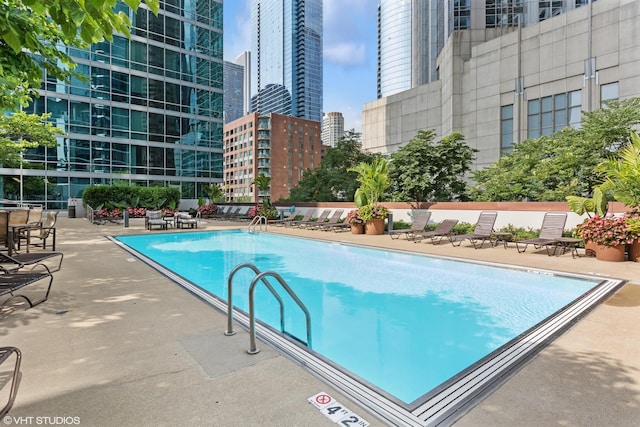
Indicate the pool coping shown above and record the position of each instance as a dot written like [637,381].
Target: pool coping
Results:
[452,399]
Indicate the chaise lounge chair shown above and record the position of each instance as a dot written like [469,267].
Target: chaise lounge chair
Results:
[417,226]
[13,263]
[444,229]
[481,232]
[310,224]
[551,229]
[285,221]
[5,354]
[11,283]
[333,221]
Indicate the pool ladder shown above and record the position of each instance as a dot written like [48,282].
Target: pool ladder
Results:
[258,221]
[262,276]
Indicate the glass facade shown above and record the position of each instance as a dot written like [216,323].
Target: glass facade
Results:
[394,47]
[287,58]
[151,112]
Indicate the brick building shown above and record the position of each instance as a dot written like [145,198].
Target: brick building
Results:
[281,147]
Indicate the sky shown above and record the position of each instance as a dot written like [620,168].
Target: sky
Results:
[350,57]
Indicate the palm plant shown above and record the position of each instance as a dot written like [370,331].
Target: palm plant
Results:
[622,173]
[374,181]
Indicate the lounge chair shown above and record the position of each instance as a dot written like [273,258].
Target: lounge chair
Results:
[284,221]
[550,231]
[307,217]
[14,262]
[444,229]
[183,220]
[154,218]
[5,354]
[481,232]
[11,283]
[333,220]
[311,223]
[417,226]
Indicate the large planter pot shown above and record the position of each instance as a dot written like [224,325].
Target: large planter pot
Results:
[610,253]
[590,248]
[357,228]
[634,251]
[374,226]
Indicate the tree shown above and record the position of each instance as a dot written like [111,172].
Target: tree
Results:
[22,131]
[424,170]
[32,32]
[263,182]
[562,164]
[332,180]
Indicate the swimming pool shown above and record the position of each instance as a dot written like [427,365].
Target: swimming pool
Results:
[417,337]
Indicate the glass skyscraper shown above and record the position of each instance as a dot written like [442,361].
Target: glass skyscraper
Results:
[150,113]
[287,57]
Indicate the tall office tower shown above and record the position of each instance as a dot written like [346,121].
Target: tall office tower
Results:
[410,36]
[150,115]
[234,91]
[287,57]
[244,59]
[280,147]
[332,128]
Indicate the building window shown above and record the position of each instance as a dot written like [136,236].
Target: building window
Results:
[461,13]
[548,9]
[608,92]
[553,113]
[502,13]
[506,129]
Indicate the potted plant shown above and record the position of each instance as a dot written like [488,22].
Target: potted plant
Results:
[373,216]
[633,225]
[610,234]
[595,205]
[374,181]
[355,221]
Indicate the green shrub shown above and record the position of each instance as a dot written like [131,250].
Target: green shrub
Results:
[122,196]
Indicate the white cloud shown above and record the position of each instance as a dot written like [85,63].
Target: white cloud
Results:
[346,54]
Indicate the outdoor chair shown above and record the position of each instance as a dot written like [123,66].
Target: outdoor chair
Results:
[331,222]
[322,218]
[305,218]
[481,232]
[5,354]
[444,229]
[42,232]
[419,223]
[16,261]
[154,218]
[183,220]
[11,283]
[284,221]
[550,231]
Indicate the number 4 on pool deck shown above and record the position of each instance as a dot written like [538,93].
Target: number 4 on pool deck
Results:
[336,412]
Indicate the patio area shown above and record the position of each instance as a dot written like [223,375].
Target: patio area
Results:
[119,344]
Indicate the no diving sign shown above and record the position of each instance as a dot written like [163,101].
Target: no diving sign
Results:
[336,411]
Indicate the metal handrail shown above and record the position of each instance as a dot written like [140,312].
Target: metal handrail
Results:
[255,269]
[258,220]
[253,349]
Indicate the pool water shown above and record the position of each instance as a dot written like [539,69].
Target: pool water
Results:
[402,322]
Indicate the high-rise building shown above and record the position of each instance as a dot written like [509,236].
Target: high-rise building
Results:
[412,33]
[332,128]
[287,58]
[514,70]
[237,87]
[150,115]
[280,147]
[410,36]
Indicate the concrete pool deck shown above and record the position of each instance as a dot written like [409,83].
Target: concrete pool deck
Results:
[119,344]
